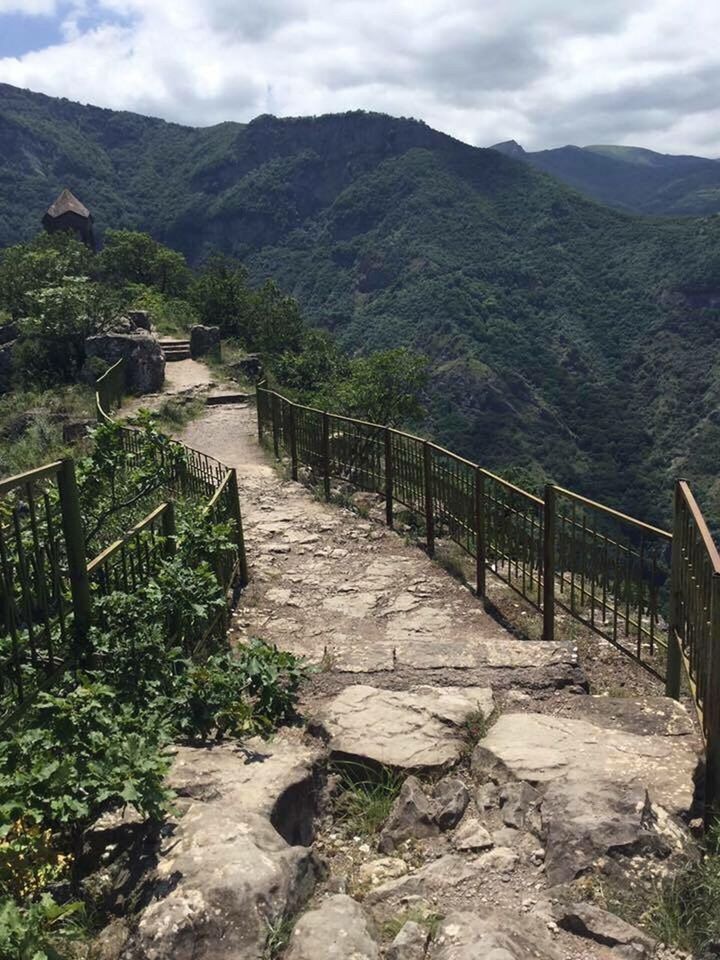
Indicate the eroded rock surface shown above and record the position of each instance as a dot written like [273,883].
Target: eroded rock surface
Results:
[602,785]
[498,935]
[416,729]
[337,930]
[233,864]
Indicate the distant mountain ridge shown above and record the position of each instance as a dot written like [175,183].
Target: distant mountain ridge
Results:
[631,178]
[566,339]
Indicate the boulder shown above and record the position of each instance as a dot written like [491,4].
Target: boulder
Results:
[412,815]
[587,920]
[520,807]
[409,944]
[144,359]
[204,340]
[605,789]
[247,368]
[236,862]
[472,835]
[417,729]
[452,799]
[337,930]
[490,933]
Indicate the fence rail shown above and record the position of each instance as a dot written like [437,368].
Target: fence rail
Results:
[47,583]
[562,552]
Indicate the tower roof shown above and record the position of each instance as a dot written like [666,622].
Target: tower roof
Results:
[67,203]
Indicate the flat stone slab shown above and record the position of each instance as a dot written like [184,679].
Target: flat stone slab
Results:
[336,930]
[496,934]
[419,728]
[606,786]
[541,748]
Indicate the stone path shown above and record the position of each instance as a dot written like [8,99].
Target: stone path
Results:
[527,796]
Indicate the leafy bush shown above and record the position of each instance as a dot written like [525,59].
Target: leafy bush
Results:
[273,679]
[82,751]
[39,931]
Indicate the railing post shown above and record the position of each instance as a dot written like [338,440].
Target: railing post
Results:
[326,453]
[388,477]
[293,444]
[237,517]
[711,712]
[480,549]
[429,506]
[275,426]
[549,517]
[75,550]
[673,666]
[259,413]
[168,529]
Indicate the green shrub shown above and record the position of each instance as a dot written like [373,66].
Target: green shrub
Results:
[39,931]
[273,679]
[82,751]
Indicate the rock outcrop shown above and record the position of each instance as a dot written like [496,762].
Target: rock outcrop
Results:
[234,864]
[145,363]
[465,936]
[603,784]
[203,340]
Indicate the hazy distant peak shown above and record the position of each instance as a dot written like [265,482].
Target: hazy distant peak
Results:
[511,148]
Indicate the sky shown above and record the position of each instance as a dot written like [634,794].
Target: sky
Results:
[542,72]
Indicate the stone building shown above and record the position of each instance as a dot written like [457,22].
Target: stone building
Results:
[67,213]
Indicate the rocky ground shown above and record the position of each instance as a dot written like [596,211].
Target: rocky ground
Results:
[455,792]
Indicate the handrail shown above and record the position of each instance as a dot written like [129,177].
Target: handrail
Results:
[701,525]
[624,517]
[113,548]
[22,479]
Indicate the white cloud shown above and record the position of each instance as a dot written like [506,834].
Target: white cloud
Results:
[542,71]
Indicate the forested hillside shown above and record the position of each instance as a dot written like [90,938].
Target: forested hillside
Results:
[631,178]
[566,339]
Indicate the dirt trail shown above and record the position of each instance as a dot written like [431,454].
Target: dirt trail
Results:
[346,592]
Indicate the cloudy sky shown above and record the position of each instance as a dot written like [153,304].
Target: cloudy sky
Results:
[544,72]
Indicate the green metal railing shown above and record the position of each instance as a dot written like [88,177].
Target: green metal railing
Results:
[561,553]
[47,583]
[694,628]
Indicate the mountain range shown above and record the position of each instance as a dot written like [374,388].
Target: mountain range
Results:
[631,178]
[567,340]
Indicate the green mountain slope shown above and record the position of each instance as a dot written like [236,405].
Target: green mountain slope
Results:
[567,339]
[631,178]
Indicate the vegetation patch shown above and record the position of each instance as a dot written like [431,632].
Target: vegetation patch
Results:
[365,797]
[426,918]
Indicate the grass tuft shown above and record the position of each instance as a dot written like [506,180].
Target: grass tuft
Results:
[428,919]
[365,798]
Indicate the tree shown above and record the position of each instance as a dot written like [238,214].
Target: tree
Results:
[318,361]
[43,262]
[273,324]
[133,257]
[220,294]
[383,387]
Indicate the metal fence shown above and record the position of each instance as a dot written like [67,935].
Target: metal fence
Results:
[44,592]
[563,553]
[694,636]
[47,583]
